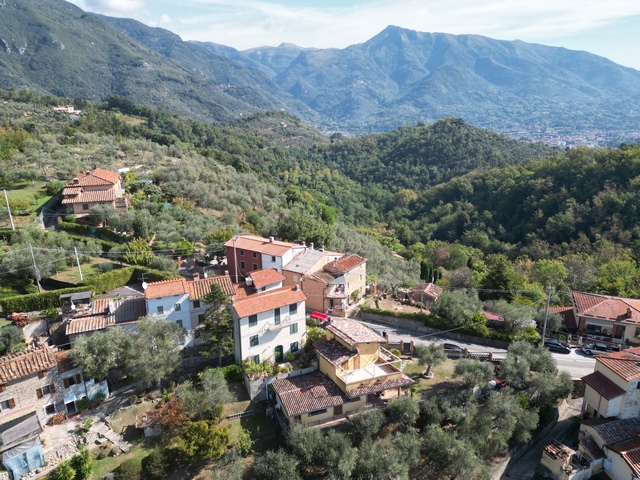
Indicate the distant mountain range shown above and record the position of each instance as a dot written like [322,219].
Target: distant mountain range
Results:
[398,77]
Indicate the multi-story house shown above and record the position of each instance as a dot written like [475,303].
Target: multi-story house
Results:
[43,381]
[614,318]
[248,253]
[91,188]
[613,389]
[340,282]
[180,301]
[354,372]
[268,318]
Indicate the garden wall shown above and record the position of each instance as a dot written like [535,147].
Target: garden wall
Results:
[416,326]
[257,389]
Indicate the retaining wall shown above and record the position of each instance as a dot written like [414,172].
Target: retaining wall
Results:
[413,325]
[257,389]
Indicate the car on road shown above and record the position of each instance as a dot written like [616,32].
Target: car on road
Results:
[452,347]
[595,348]
[556,346]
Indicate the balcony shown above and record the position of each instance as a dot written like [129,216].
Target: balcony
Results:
[338,291]
[270,327]
[385,365]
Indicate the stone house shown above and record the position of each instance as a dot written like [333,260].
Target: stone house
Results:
[92,188]
[43,381]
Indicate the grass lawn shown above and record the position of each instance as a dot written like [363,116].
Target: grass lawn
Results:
[109,464]
[441,381]
[71,274]
[123,420]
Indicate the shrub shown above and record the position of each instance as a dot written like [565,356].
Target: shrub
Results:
[129,469]
[84,404]
[155,465]
[290,357]
[58,419]
[232,373]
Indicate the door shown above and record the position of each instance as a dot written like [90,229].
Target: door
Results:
[278,354]
[337,410]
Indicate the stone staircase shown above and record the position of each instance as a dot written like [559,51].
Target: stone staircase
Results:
[101,432]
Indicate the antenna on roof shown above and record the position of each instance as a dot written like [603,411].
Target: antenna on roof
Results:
[144,283]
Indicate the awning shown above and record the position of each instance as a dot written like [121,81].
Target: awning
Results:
[319,316]
[71,398]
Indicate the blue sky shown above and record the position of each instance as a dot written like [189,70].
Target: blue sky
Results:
[609,28]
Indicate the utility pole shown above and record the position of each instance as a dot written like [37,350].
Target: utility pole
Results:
[35,269]
[78,262]
[6,199]
[546,315]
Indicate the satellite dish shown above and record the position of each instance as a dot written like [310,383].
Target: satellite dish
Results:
[144,285]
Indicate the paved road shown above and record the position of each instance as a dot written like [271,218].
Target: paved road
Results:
[576,363]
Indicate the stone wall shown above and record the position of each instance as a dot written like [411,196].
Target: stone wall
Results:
[24,394]
[416,326]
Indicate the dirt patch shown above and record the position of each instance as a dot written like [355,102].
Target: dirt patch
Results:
[394,305]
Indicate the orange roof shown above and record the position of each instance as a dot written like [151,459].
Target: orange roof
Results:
[353,332]
[20,365]
[196,288]
[64,361]
[87,324]
[603,385]
[166,288]
[345,264]
[615,309]
[98,176]
[624,364]
[269,300]
[259,244]
[91,196]
[200,288]
[307,393]
[268,276]
[630,451]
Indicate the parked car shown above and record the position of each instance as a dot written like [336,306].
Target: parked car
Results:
[556,346]
[595,348]
[452,347]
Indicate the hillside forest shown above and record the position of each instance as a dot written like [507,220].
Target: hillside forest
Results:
[464,206]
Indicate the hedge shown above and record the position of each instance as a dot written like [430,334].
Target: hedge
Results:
[80,229]
[438,323]
[98,283]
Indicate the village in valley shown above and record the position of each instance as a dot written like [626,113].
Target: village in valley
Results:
[266,340]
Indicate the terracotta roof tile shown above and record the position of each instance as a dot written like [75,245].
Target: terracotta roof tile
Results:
[430,289]
[202,287]
[345,264]
[98,176]
[166,288]
[630,451]
[64,361]
[269,300]
[557,450]
[591,448]
[616,431]
[307,393]
[259,244]
[20,365]
[91,196]
[353,332]
[87,324]
[402,381]
[334,352]
[603,385]
[615,309]
[268,276]
[624,364]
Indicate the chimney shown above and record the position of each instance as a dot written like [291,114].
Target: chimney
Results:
[629,312]
[226,272]
[271,239]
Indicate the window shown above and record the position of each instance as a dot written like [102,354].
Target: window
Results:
[241,253]
[242,265]
[254,254]
[178,307]
[253,320]
[73,380]
[85,206]
[317,412]
[276,316]
[253,341]
[46,390]
[255,359]
[7,404]
[201,319]
[179,323]
[196,304]
[50,409]
[294,347]
[360,277]
[160,309]
[293,309]
[255,266]
[293,328]
[273,258]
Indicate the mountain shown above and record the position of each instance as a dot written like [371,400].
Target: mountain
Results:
[53,47]
[402,76]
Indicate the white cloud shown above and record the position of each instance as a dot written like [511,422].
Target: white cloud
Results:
[111,7]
